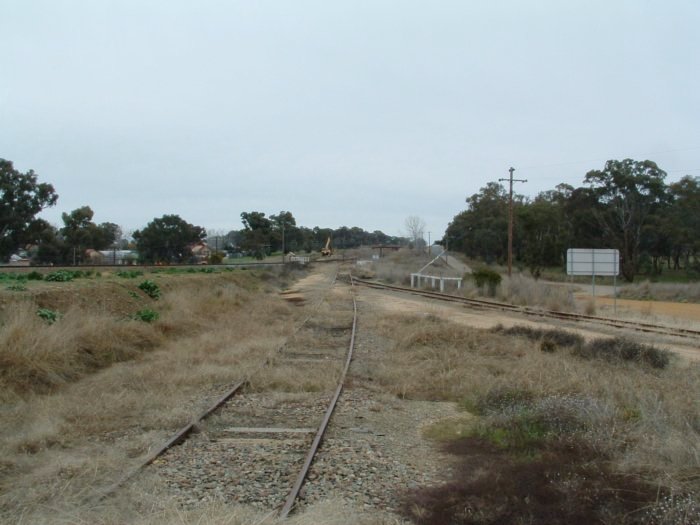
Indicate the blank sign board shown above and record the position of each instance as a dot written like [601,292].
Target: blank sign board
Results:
[585,261]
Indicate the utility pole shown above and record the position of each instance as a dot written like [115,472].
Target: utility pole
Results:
[510,218]
[428,243]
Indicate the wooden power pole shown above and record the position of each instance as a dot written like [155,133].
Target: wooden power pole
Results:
[511,180]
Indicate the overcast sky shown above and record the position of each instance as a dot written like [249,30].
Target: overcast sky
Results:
[355,113]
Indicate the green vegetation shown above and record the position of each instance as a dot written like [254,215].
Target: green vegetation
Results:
[150,288]
[627,205]
[48,315]
[486,277]
[129,274]
[146,315]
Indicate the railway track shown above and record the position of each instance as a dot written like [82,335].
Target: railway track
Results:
[540,313]
[255,444]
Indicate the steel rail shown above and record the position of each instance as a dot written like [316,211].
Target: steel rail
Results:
[494,305]
[185,431]
[301,477]
[176,438]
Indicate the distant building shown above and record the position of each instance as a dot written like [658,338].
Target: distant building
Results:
[117,256]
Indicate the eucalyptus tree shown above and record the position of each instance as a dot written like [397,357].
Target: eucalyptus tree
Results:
[627,193]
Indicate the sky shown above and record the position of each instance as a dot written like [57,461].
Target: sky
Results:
[346,113]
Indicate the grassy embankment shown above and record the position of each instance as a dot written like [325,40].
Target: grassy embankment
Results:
[90,388]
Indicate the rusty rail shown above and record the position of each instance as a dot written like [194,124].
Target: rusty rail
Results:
[524,310]
[185,431]
[301,477]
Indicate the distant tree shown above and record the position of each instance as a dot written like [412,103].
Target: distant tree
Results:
[541,225]
[257,233]
[284,227]
[684,222]
[80,233]
[167,239]
[627,193]
[415,228]
[22,197]
[481,231]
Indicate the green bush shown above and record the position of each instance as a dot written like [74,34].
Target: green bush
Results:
[61,276]
[50,316]
[146,315]
[35,276]
[150,288]
[486,277]
[129,274]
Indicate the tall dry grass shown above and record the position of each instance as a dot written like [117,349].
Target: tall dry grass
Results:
[60,443]
[675,292]
[647,419]
[38,357]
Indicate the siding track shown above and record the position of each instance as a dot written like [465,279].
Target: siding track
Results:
[533,312]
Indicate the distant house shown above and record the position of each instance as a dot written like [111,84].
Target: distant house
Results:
[18,260]
[118,256]
[200,251]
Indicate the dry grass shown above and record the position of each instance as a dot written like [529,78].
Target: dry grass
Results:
[58,449]
[675,292]
[526,291]
[644,421]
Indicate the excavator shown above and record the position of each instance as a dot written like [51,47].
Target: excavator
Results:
[327,251]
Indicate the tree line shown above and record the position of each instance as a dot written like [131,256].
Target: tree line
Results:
[627,205]
[165,239]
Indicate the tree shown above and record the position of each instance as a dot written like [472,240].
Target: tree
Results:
[257,233]
[167,239]
[80,233]
[285,234]
[482,229]
[627,193]
[415,227]
[21,199]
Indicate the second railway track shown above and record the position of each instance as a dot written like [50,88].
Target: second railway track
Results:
[540,313]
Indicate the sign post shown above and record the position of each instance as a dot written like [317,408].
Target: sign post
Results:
[591,261]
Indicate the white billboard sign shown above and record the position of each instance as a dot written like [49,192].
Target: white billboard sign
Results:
[589,261]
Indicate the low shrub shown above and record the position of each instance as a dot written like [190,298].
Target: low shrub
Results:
[129,274]
[48,315]
[61,276]
[150,288]
[486,277]
[555,337]
[622,349]
[146,315]
[35,276]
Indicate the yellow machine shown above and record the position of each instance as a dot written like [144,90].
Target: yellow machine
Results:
[327,251]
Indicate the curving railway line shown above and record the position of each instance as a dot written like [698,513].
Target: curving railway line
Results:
[260,433]
[533,312]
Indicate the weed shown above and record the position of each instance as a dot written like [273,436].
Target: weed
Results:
[554,336]
[486,277]
[146,315]
[622,349]
[150,288]
[17,288]
[61,276]
[50,316]
[129,274]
